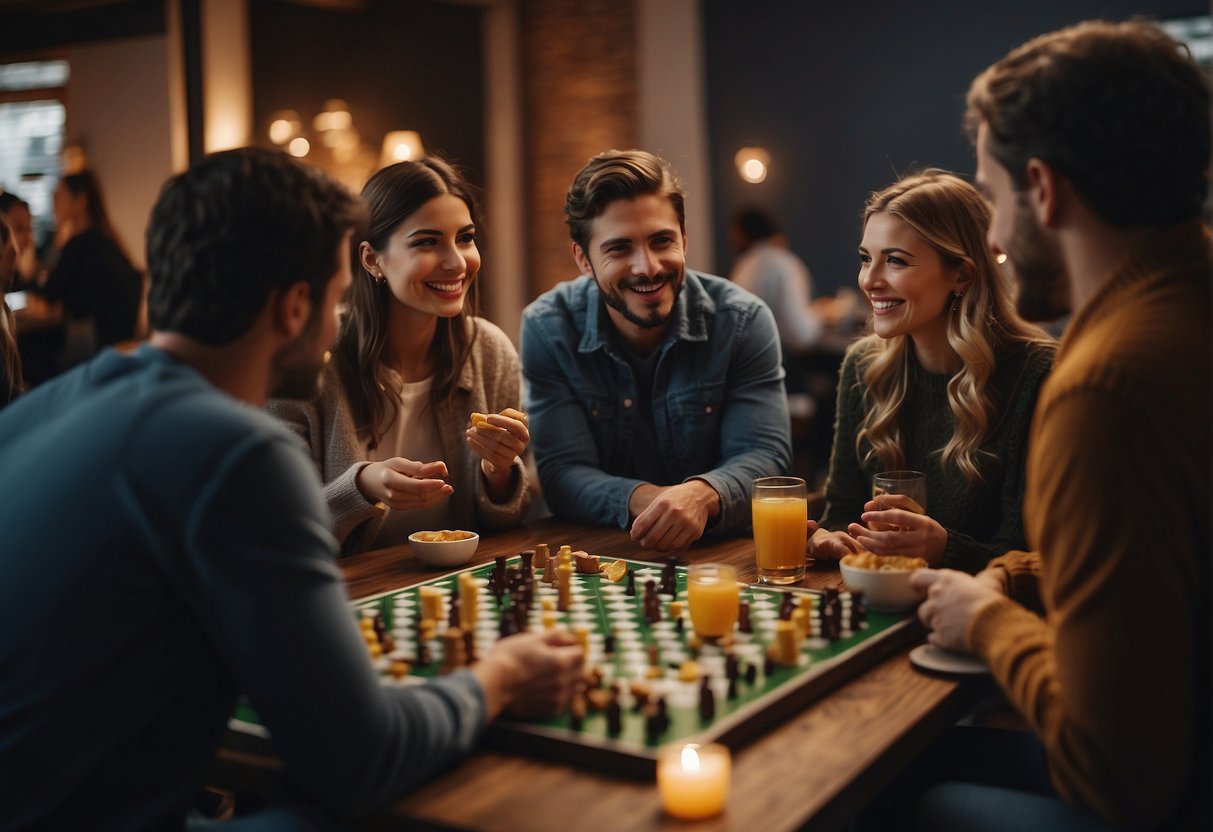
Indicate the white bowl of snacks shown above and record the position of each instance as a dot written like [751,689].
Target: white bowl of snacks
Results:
[884,580]
[444,548]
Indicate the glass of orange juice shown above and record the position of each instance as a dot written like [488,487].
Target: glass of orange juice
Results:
[713,598]
[781,516]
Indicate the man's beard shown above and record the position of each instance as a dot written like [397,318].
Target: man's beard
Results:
[1044,292]
[614,298]
[297,368]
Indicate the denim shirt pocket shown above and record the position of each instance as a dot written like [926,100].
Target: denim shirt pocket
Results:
[694,426]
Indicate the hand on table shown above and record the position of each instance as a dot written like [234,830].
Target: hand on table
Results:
[403,484]
[674,516]
[899,531]
[531,674]
[953,599]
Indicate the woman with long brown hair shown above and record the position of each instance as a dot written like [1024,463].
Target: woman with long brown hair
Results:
[390,429]
[100,289]
[945,384]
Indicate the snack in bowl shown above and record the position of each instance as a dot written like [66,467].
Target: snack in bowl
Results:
[444,548]
[884,580]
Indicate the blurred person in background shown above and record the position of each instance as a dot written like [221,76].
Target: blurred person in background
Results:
[11,383]
[93,277]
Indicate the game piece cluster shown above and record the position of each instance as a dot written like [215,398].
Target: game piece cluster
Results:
[642,656]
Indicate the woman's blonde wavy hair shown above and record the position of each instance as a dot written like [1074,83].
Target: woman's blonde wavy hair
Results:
[952,216]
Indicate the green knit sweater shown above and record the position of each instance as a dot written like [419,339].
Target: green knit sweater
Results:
[983,519]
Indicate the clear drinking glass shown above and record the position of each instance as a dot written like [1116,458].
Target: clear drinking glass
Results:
[910,485]
[781,515]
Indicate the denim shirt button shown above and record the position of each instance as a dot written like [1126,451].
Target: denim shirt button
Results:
[627,402]
[707,409]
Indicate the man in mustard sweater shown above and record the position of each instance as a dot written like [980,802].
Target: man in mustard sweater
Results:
[1093,146]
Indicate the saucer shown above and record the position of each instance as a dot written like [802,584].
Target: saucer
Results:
[930,657]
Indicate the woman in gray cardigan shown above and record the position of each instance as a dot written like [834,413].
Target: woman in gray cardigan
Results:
[390,428]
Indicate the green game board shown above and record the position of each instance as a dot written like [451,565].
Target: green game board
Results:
[756,708]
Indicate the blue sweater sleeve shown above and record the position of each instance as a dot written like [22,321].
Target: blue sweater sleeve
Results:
[260,558]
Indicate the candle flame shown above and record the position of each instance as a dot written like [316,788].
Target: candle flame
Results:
[690,758]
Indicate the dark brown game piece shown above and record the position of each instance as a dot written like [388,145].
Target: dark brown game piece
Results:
[751,673]
[669,577]
[469,645]
[859,611]
[786,607]
[577,710]
[679,626]
[614,716]
[453,618]
[743,618]
[732,667]
[528,570]
[380,626]
[663,714]
[768,665]
[499,570]
[707,701]
[424,658]
[387,643]
[653,727]
[631,590]
[608,644]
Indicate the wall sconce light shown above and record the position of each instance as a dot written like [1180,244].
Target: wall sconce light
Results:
[753,163]
[400,146]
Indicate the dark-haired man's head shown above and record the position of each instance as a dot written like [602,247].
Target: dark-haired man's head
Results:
[235,229]
[1118,109]
[626,214]
[751,225]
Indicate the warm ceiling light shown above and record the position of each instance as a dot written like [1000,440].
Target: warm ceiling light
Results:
[401,146]
[753,164]
[284,126]
[299,147]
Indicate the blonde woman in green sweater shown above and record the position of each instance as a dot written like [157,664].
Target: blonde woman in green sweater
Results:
[945,384]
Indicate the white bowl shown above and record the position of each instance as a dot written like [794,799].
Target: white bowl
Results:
[444,552]
[885,590]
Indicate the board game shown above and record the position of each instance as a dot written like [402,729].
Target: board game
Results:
[649,680]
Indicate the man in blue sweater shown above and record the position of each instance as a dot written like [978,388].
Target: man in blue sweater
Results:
[166,545]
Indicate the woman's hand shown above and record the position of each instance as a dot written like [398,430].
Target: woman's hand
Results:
[498,442]
[896,530]
[827,545]
[403,484]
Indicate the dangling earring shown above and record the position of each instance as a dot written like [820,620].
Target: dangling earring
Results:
[956,296]
[380,279]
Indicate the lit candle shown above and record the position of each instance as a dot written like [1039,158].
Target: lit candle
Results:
[694,780]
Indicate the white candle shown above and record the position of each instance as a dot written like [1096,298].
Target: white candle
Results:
[694,780]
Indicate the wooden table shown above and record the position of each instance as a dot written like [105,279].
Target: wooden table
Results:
[34,313]
[816,770]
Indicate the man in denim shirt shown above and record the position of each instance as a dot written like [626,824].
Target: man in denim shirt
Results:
[655,393]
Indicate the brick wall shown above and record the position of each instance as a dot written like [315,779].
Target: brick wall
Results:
[580,98]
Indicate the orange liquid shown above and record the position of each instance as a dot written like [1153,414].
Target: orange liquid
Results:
[713,604]
[780,532]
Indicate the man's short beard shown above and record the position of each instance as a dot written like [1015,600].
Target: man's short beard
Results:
[616,301]
[1044,292]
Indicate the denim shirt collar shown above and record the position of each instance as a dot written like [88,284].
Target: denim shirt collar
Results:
[688,322]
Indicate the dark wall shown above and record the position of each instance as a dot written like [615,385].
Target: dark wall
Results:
[399,66]
[847,96]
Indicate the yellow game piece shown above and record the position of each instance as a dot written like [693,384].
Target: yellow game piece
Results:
[675,610]
[469,601]
[689,671]
[547,603]
[565,554]
[549,619]
[376,650]
[653,673]
[431,603]
[366,624]
[399,669]
[786,653]
[801,620]
[564,576]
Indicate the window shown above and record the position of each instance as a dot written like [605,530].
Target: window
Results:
[32,118]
